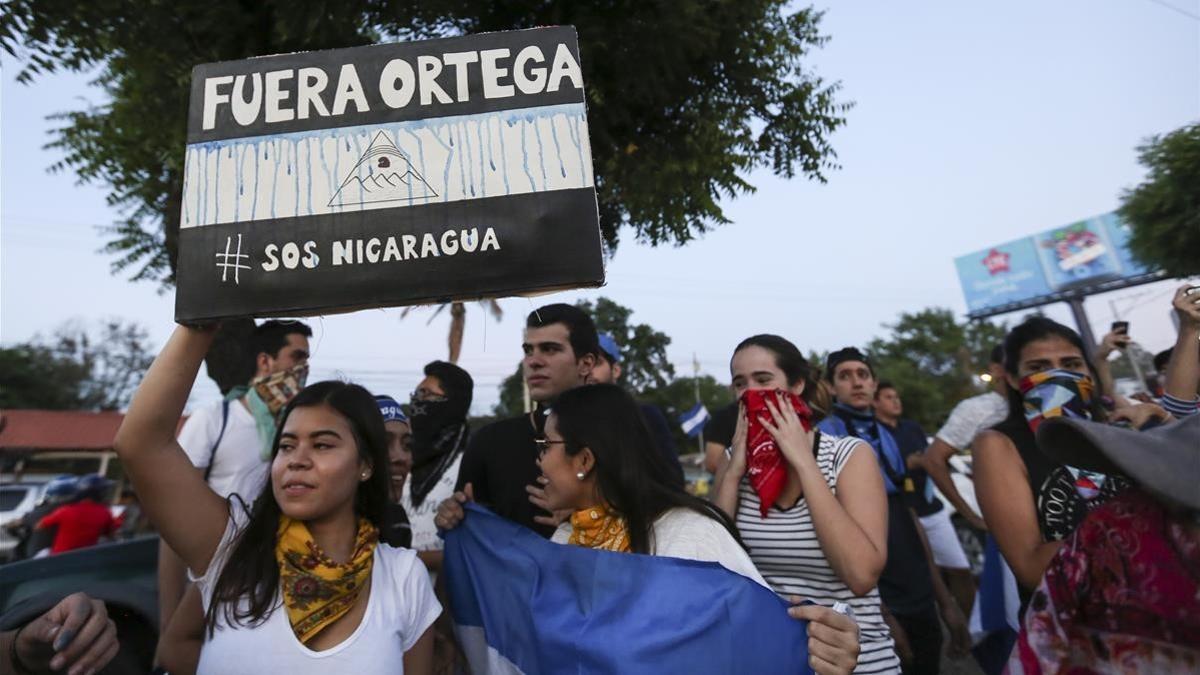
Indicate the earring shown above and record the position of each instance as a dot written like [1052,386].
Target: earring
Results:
[365,475]
[581,475]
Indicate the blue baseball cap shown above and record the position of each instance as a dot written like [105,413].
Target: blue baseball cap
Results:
[390,409]
[610,347]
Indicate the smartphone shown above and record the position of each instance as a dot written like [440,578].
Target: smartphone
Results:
[1121,327]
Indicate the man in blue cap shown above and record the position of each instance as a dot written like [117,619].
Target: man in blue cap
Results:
[608,371]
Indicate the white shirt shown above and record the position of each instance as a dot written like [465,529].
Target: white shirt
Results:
[684,533]
[238,466]
[424,532]
[970,417]
[399,610]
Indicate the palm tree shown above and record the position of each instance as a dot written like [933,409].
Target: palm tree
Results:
[458,321]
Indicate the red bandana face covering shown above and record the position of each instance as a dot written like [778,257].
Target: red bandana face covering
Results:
[765,465]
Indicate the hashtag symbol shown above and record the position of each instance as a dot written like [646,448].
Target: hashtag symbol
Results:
[224,260]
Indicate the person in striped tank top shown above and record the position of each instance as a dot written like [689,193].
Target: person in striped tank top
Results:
[824,539]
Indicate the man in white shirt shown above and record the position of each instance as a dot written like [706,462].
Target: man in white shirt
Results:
[229,441]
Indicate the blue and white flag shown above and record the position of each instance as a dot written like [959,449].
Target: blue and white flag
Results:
[522,604]
[994,622]
[693,421]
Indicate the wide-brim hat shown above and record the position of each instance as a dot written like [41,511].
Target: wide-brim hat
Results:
[1164,460]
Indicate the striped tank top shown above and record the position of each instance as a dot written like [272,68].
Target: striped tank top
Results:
[785,549]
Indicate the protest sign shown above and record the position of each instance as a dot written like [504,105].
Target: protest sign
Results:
[387,175]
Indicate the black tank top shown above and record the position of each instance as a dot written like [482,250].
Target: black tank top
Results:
[1060,507]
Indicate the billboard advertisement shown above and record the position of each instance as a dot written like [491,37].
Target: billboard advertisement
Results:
[1086,256]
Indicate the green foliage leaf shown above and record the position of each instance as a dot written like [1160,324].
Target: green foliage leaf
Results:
[934,361]
[1164,211]
[684,98]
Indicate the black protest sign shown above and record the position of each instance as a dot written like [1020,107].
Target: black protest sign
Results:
[388,175]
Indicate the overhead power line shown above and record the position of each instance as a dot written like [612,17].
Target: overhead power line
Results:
[1194,17]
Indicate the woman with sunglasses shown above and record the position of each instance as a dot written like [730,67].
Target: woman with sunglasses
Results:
[599,461]
[299,582]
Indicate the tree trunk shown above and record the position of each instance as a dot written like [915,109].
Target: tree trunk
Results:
[458,322]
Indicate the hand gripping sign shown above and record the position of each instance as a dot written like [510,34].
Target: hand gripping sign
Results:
[388,175]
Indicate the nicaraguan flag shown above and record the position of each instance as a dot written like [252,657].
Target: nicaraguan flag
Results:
[693,421]
[522,604]
[994,622]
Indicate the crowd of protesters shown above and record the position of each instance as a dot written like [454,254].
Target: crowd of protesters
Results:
[300,523]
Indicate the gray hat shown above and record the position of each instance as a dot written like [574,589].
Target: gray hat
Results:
[1164,460]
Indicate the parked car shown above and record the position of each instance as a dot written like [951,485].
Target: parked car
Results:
[121,574]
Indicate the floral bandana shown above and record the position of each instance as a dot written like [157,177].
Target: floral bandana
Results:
[316,590]
[1062,393]
[599,528]
[765,465]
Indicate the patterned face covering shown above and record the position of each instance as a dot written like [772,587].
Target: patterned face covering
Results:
[1056,393]
[276,389]
[1062,393]
[316,590]
[597,527]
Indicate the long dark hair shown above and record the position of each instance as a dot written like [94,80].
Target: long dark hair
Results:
[251,571]
[795,367]
[631,475]
[1040,328]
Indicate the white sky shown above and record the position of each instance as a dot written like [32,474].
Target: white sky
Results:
[975,124]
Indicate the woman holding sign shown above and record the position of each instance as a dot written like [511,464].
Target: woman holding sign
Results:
[299,582]
[811,508]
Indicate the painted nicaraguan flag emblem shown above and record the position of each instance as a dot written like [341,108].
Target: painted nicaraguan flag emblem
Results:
[382,174]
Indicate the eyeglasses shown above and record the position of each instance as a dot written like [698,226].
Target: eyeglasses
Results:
[423,394]
[543,444]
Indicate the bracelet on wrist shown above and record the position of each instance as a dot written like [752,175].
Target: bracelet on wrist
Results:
[14,657]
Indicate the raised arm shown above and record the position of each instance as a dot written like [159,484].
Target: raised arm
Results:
[1183,370]
[1002,485]
[189,515]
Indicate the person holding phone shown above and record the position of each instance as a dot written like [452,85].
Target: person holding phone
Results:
[824,538]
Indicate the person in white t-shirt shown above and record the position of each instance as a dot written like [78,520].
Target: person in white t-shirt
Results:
[229,440]
[968,418]
[598,461]
[298,582]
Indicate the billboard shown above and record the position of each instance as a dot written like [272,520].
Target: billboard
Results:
[386,175]
[1084,257]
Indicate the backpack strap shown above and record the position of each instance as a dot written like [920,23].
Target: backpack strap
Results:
[212,454]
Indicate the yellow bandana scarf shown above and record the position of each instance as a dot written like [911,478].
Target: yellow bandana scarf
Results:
[316,590]
[596,527]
